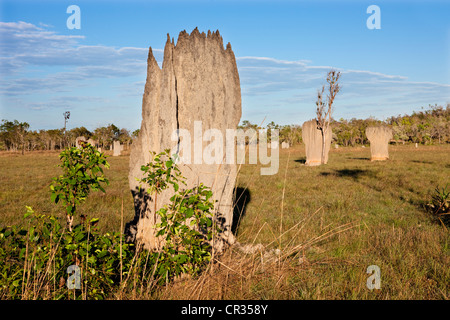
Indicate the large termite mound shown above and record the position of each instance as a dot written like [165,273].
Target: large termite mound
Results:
[199,81]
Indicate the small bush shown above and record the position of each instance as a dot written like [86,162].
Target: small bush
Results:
[82,172]
[35,259]
[440,204]
[187,223]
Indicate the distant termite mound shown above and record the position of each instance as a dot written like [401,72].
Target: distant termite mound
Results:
[199,81]
[79,140]
[379,138]
[312,137]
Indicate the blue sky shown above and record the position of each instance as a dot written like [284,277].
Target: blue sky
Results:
[283,50]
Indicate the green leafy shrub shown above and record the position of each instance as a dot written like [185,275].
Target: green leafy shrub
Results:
[186,228]
[187,223]
[82,172]
[35,258]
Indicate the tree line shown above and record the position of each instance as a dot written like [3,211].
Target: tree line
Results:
[424,127]
[16,136]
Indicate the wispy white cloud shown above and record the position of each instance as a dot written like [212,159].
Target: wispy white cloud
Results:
[24,46]
[273,60]
[292,85]
[21,41]
[366,73]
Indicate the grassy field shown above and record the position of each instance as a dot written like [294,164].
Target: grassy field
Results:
[327,223]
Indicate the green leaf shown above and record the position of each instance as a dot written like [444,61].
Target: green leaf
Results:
[103,253]
[189,213]
[45,231]
[106,241]
[182,258]
[22,253]
[55,197]
[79,236]
[30,211]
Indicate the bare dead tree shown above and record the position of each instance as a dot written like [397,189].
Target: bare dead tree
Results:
[325,108]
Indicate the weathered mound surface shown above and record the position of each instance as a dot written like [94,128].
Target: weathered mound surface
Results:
[199,81]
[379,138]
[312,137]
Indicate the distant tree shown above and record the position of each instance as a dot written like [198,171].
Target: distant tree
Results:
[21,131]
[291,134]
[271,126]
[100,134]
[14,134]
[32,140]
[248,125]
[106,135]
[135,133]
[125,137]
[7,134]
[80,131]
[114,131]
[439,124]
[55,137]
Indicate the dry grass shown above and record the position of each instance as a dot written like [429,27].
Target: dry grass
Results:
[330,222]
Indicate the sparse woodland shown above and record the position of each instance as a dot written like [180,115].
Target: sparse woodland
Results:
[15,136]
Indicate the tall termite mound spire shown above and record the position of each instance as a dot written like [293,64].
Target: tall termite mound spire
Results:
[199,81]
[379,138]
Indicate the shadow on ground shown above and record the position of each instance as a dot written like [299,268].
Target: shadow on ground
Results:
[350,173]
[301,160]
[360,158]
[241,199]
[426,162]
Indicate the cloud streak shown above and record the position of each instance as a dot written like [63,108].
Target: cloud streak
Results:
[291,87]
[63,62]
